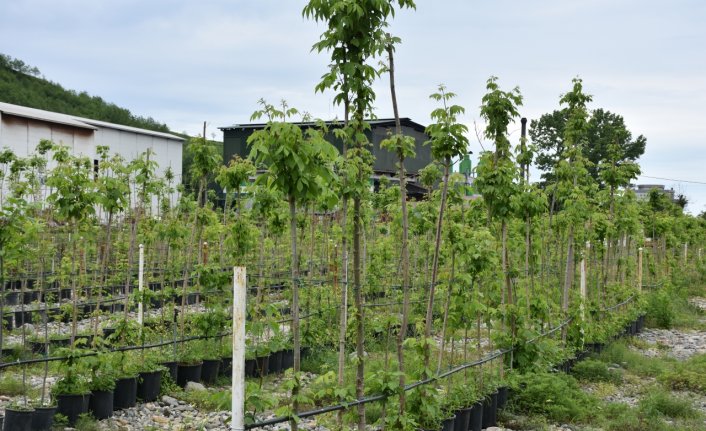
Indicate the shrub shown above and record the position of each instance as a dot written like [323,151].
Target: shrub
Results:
[591,370]
[660,309]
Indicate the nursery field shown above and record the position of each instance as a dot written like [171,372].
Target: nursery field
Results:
[497,300]
[118,314]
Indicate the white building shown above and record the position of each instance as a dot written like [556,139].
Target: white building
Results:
[22,128]
[642,191]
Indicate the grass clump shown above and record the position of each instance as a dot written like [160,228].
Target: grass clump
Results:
[11,386]
[687,375]
[592,370]
[622,417]
[619,353]
[555,396]
[663,404]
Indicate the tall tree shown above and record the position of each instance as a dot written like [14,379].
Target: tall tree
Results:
[604,129]
[355,35]
[447,140]
[497,171]
[300,165]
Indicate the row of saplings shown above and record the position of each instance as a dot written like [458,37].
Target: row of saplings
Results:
[483,414]
[106,382]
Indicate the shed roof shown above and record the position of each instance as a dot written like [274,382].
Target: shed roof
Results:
[74,121]
[379,122]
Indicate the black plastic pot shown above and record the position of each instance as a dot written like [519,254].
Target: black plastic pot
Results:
[188,373]
[448,424]
[59,342]
[172,367]
[490,410]
[65,293]
[101,404]
[107,332]
[250,367]
[125,394]
[476,418]
[149,385]
[38,347]
[7,322]
[226,366]
[43,418]
[287,359]
[22,317]
[274,365]
[209,370]
[18,420]
[502,396]
[633,328]
[12,298]
[30,296]
[262,365]
[72,406]
[463,417]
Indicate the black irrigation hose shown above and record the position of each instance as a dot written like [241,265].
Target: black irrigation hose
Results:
[150,346]
[611,308]
[116,350]
[407,388]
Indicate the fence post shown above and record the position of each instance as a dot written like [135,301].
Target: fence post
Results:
[639,269]
[141,286]
[686,252]
[583,281]
[238,368]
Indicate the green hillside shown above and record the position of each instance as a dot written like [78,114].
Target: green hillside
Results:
[21,84]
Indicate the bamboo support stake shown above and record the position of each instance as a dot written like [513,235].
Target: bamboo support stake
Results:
[238,368]
[141,286]
[583,282]
[639,269]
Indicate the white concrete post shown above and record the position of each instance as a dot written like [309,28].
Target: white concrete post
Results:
[141,286]
[238,369]
[686,252]
[639,269]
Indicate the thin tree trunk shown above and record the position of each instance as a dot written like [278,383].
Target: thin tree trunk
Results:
[405,239]
[435,267]
[295,302]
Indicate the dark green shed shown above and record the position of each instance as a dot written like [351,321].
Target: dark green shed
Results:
[235,143]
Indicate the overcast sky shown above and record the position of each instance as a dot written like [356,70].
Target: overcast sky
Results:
[185,62]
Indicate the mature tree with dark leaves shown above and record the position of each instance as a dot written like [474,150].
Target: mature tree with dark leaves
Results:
[604,128]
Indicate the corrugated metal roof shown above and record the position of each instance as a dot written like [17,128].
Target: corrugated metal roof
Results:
[381,122]
[38,114]
[80,122]
[131,129]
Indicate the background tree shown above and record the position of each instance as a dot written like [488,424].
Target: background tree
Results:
[604,130]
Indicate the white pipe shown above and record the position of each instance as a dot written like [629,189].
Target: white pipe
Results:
[141,286]
[238,368]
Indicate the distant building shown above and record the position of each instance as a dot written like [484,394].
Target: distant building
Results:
[642,191]
[22,128]
[235,143]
